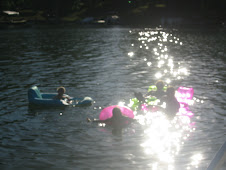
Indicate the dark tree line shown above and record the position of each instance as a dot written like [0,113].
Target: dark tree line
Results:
[64,7]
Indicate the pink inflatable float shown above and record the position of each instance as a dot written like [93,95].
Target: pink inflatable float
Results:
[106,113]
[184,94]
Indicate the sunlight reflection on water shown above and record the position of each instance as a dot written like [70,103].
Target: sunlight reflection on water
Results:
[166,66]
[164,137]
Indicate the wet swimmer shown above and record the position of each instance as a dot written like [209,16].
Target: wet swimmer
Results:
[171,104]
[117,121]
[159,93]
[61,95]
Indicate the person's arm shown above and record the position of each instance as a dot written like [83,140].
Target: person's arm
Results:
[98,121]
[139,96]
[67,97]
[150,93]
[128,119]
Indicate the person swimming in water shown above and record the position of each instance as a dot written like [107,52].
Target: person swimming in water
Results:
[61,94]
[171,104]
[117,121]
[159,93]
[168,103]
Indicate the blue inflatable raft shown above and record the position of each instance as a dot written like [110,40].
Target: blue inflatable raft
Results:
[35,97]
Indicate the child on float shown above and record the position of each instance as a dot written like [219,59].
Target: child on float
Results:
[61,94]
[117,121]
[159,93]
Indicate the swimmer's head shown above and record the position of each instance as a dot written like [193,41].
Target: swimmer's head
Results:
[116,112]
[159,84]
[170,91]
[61,90]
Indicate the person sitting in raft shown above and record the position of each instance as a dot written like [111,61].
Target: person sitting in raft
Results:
[159,93]
[61,94]
[117,121]
[171,104]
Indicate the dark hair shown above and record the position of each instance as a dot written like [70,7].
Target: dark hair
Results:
[61,89]
[159,84]
[116,111]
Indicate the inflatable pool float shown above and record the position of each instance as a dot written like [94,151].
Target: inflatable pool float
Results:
[152,100]
[154,88]
[35,97]
[184,95]
[106,113]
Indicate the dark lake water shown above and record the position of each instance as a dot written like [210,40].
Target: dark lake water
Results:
[109,65]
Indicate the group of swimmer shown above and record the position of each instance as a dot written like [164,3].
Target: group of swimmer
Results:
[117,121]
[171,104]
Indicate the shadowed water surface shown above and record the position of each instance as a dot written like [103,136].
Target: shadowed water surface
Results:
[109,65]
